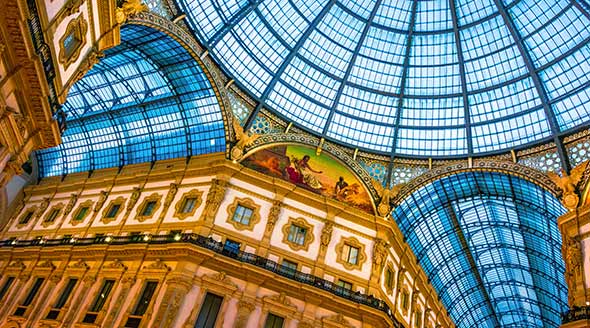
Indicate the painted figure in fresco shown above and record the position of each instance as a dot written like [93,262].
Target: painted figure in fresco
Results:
[307,173]
[340,186]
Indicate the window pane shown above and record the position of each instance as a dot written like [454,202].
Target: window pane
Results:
[273,321]
[189,204]
[102,296]
[146,297]
[66,293]
[209,311]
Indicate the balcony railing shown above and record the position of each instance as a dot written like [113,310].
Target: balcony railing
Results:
[576,313]
[44,52]
[217,247]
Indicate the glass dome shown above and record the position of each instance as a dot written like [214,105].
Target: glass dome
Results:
[409,78]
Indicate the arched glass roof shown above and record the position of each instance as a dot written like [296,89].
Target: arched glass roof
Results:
[490,245]
[438,78]
[146,100]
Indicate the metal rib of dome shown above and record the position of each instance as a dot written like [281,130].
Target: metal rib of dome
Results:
[440,78]
[146,100]
[490,245]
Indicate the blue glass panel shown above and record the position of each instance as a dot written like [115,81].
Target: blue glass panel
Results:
[490,228]
[299,57]
[147,100]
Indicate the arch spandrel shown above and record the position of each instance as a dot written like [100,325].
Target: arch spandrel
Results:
[535,176]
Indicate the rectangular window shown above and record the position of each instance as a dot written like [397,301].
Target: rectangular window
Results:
[404,300]
[52,215]
[188,205]
[418,319]
[63,298]
[21,309]
[81,213]
[6,287]
[135,236]
[242,214]
[209,311]
[113,210]
[99,301]
[344,284]
[134,319]
[273,321]
[388,278]
[26,218]
[148,209]
[146,297]
[297,234]
[351,254]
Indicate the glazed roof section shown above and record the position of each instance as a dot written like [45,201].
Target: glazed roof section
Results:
[490,245]
[146,100]
[409,78]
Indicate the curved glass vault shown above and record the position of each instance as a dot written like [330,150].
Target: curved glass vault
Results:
[490,245]
[146,100]
[410,78]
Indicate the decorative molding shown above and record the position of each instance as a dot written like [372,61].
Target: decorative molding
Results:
[80,264]
[248,203]
[379,254]
[326,235]
[17,264]
[134,197]
[353,242]
[59,207]
[102,197]
[308,234]
[336,320]
[155,197]
[196,193]
[157,265]
[71,203]
[170,195]
[117,201]
[87,203]
[76,29]
[45,264]
[220,278]
[42,207]
[19,223]
[116,264]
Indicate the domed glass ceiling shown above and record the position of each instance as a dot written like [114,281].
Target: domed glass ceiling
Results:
[409,78]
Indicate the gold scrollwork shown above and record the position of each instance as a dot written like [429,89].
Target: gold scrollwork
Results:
[72,42]
[340,256]
[155,197]
[194,193]
[85,204]
[299,222]
[247,203]
[117,201]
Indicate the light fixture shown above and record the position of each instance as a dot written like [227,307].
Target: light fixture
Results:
[72,240]
[108,239]
[13,242]
[146,237]
[177,237]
